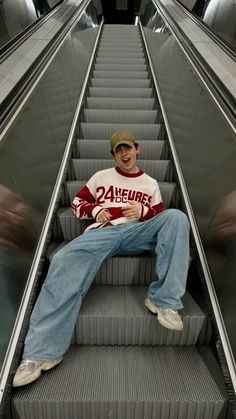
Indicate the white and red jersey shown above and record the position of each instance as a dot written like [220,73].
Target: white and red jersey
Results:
[111,189]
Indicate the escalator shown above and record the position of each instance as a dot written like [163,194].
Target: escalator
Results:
[122,363]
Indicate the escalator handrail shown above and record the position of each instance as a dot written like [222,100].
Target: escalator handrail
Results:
[19,93]
[45,231]
[209,282]
[208,30]
[8,48]
[218,84]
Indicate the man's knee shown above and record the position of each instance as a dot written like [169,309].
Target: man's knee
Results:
[177,216]
[62,253]
[58,256]
[85,243]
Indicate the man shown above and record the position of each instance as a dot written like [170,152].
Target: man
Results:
[127,208]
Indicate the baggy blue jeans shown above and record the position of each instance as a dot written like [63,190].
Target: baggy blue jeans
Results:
[74,267]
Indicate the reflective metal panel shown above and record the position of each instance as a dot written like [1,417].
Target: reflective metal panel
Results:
[30,157]
[221,17]
[218,15]
[206,147]
[17,15]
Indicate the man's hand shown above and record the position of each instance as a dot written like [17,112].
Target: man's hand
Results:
[132,210]
[103,216]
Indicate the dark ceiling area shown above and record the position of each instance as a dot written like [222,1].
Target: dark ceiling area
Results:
[120,11]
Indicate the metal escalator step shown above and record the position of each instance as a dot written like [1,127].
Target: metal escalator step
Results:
[121,44]
[110,37]
[111,26]
[120,103]
[120,32]
[120,82]
[107,32]
[121,48]
[126,40]
[117,316]
[121,51]
[121,40]
[127,383]
[128,92]
[99,149]
[120,75]
[125,67]
[120,35]
[127,270]
[120,61]
[115,39]
[120,116]
[143,132]
[106,43]
[71,227]
[120,55]
[123,35]
[167,190]
[160,169]
[120,29]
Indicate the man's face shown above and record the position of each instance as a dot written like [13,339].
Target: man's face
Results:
[126,157]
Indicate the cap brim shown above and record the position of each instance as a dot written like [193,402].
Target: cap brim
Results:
[130,143]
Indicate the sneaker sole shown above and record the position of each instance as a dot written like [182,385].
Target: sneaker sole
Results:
[37,373]
[154,309]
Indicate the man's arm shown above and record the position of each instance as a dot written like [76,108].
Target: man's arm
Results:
[142,212]
[83,206]
[155,207]
[150,211]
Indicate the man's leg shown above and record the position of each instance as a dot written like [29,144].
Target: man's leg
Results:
[53,319]
[172,263]
[168,235]
[70,275]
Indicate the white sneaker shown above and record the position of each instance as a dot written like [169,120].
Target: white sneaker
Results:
[167,317]
[29,370]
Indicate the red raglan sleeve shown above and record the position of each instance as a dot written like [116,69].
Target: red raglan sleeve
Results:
[155,207]
[84,203]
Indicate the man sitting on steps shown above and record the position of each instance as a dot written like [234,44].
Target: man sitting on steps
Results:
[127,208]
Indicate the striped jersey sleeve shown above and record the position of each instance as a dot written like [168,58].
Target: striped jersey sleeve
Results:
[155,207]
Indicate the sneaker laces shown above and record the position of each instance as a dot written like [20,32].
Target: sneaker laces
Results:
[27,363]
[170,310]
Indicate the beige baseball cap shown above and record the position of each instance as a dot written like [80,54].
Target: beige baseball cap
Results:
[121,137]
